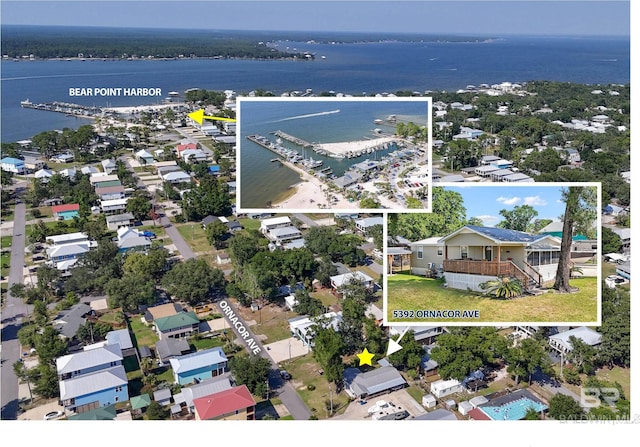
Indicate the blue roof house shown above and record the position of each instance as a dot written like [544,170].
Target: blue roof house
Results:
[198,366]
[14,165]
[474,255]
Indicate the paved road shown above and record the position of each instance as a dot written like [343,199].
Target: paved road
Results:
[307,220]
[285,391]
[12,315]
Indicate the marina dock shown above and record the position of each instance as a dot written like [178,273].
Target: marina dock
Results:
[64,107]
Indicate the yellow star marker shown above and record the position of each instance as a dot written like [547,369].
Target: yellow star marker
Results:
[365,357]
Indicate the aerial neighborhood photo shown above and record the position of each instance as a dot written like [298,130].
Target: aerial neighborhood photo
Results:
[316,211]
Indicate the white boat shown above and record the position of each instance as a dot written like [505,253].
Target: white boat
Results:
[173,93]
[26,102]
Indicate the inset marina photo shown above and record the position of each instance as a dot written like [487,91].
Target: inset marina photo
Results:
[347,153]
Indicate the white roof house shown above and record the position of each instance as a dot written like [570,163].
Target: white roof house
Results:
[560,342]
[43,174]
[91,383]
[101,177]
[373,382]
[176,177]
[346,278]
[275,222]
[70,238]
[441,388]
[85,361]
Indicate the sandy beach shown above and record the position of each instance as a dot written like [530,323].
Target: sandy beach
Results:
[343,147]
[310,194]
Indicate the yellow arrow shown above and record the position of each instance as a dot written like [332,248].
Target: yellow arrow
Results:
[199,115]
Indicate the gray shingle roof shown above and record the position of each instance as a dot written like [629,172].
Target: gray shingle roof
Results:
[376,381]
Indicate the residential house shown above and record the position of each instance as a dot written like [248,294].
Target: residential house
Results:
[62,158]
[65,256]
[164,310]
[89,170]
[69,321]
[110,193]
[180,325]
[625,238]
[122,338]
[14,165]
[206,387]
[562,344]
[144,157]
[427,256]
[302,327]
[372,383]
[65,212]
[69,172]
[101,177]
[116,221]
[425,335]
[363,226]
[108,166]
[69,238]
[92,379]
[132,240]
[193,156]
[176,177]
[614,210]
[356,277]
[267,225]
[169,348]
[236,403]
[33,163]
[198,366]
[43,175]
[441,388]
[474,255]
[114,205]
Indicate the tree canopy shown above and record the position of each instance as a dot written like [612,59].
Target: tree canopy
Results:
[193,280]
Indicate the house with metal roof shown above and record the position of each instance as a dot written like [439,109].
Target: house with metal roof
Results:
[108,166]
[116,221]
[130,239]
[89,361]
[122,338]
[97,389]
[338,281]
[372,383]
[561,342]
[364,225]
[474,255]
[180,325]
[302,327]
[14,165]
[198,366]
[233,404]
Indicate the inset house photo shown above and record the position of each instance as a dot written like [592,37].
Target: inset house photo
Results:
[347,153]
[496,254]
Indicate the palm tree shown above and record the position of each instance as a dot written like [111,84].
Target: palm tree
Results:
[504,287]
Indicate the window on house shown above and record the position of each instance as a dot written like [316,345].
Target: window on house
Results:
[118,389]
[464,252]
[488,253]
[420,252]
[439,251]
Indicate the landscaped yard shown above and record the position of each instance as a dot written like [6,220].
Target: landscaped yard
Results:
[250,224]
[415,293]
[144,335]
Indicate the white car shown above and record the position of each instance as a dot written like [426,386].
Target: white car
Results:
[614,280]
[53,415]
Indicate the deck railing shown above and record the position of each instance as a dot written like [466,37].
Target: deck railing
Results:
[488,268]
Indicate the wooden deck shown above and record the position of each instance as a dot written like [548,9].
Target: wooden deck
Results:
[488,268]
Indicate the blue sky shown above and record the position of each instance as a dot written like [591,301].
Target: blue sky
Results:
[486,202]
[433,17]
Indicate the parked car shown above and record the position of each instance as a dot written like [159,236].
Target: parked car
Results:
[285,375]
[53,415]
[612,281]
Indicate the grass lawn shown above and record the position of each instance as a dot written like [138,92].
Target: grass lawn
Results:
[617,374]
[250,224]
[5,257]
[328,299]
[206,343]
[143,335]
[304,372]
[195,236]
[7,214]
[414,293]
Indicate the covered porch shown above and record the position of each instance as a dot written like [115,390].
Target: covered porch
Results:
[398,259]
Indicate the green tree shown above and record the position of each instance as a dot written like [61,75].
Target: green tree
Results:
[327,350]
[193,280]
[151,264]
[611,242]
[49,345]
[211,197]
[579,215]
[46,383]
[562,407]
[216,232]
[527,357]
[156,412]
[475,221]
[307,305]
[520,218]
[252,371]
[130,291]
[410,356]
[139,205]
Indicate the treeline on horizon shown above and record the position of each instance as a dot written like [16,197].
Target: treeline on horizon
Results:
[102,42]
[99,43]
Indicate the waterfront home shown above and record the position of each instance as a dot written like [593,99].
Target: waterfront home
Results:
[372,383]
[198,366]
[180,325]
[474,255]
[267,225]
[65,212]
[233,404]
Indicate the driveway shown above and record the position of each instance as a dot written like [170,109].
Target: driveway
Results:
[286,349]
[356,411]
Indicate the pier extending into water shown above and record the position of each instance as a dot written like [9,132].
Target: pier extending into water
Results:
[294,140]
[64,107]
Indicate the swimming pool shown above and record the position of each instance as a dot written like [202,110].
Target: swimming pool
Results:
[513,411]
